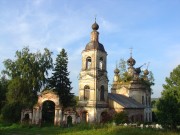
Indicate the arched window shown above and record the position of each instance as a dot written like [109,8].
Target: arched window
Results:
[102,93]
[132,118]
[88,62]
[146,100]
[104,117]
[86,92]
[101,63]
[143,100]
[146,117]
[141,117]
[149,116]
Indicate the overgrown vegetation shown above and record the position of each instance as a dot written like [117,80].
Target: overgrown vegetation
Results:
[120,118]
[125,77]
[80,129]
[27,75]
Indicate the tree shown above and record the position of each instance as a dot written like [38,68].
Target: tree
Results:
[123,75]
[27,74]
[168,106]
[122,67]
[60,81]
[3,90]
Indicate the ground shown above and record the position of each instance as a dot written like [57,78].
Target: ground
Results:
[82,129]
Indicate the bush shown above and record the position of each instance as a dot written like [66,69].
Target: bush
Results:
[120,118]
[11,112]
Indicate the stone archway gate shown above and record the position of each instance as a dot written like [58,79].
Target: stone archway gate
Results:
[47,95]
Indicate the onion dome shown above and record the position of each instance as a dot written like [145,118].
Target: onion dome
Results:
[116,71]
[146,72]
[131,62]
[95,26]
[94,43]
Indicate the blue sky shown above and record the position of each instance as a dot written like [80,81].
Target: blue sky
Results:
[151,27]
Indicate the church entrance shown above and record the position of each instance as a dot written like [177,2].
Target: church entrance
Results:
[26,118]
[84,117]
[69,121]
[47,109]
[48,112]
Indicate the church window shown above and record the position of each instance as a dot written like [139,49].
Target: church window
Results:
[88,62]
[102,93]
[86,92]
[146,100]
[141,117]
[101,63]
[143,100]
[132,118]
[149,116]
[103,117]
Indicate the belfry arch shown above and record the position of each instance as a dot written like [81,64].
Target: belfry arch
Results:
[47,95]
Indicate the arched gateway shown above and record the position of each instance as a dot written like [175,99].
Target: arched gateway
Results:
[47,95]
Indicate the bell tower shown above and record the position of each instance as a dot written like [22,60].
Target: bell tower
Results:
[93,80]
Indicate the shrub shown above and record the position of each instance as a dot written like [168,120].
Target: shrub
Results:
[120,117]
[11,112]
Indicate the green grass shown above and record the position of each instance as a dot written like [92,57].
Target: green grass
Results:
[82,129]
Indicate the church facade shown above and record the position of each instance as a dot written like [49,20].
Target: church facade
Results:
[131,94]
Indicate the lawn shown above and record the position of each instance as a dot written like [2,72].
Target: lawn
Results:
[83,129]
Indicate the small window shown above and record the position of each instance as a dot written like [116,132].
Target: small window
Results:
[86,92]
[102,93]
[147,117]
[132,118]
[146,100]
[143,100]
[88,62]
[141,117]
[101,63]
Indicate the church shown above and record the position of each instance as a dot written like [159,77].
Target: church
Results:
[131,95]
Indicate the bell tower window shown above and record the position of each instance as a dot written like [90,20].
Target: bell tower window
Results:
[88,62]
[102,93]
[101,63]
[86,92]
